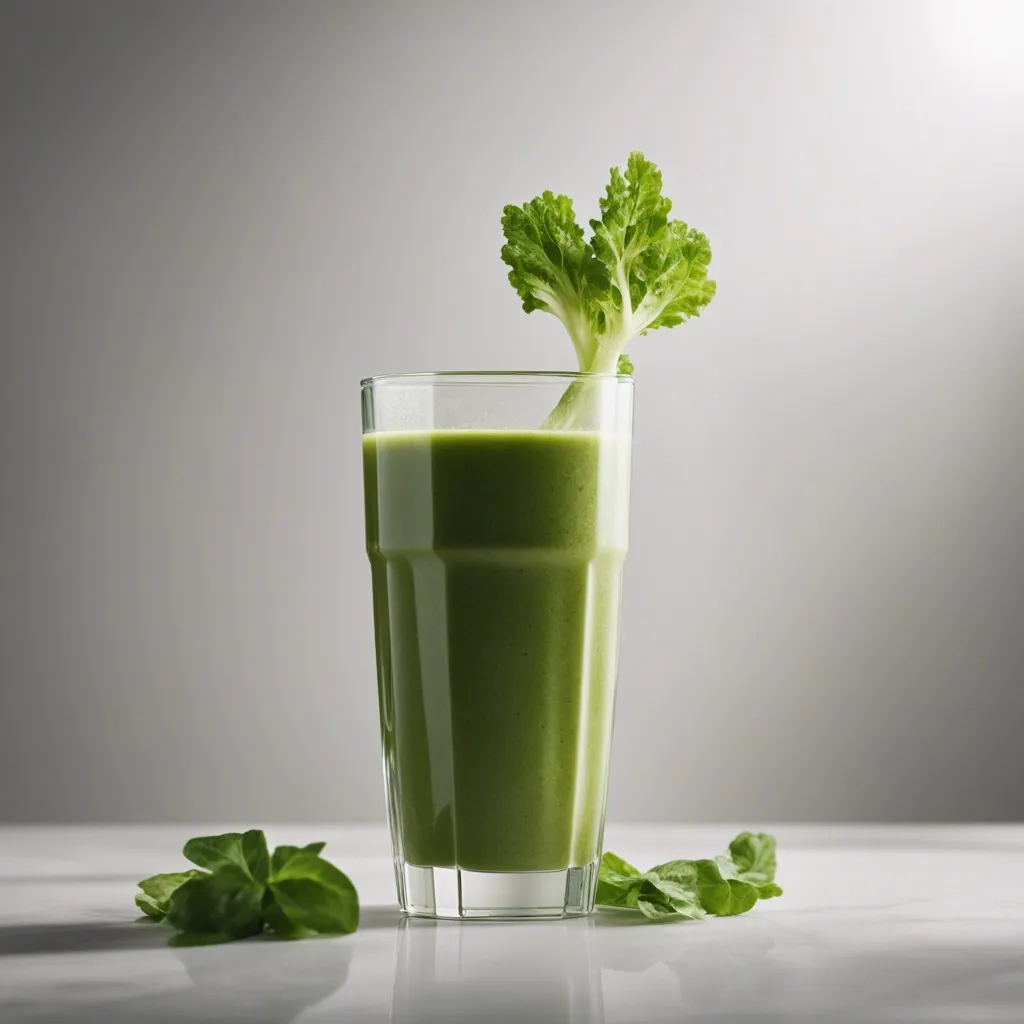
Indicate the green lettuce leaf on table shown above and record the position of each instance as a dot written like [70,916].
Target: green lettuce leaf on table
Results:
[239,889]
[730,884]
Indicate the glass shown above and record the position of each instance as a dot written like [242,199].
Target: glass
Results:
[496,542]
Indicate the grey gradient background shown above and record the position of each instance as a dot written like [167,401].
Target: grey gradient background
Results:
[216,217]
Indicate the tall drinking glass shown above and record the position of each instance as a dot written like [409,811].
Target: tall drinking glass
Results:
[497,509]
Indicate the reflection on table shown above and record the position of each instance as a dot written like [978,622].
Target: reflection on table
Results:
[446,971]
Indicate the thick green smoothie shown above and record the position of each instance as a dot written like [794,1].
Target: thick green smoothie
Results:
[497,560]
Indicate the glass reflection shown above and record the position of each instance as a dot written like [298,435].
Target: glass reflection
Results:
[445,971]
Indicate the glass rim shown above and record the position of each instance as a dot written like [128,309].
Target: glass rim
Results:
[489,376]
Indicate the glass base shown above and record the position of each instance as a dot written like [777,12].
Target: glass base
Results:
[496,895]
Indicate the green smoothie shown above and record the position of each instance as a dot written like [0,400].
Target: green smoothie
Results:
[497,564]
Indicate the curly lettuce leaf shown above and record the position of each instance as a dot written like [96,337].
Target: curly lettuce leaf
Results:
[728,885]
[753,856]
[553,267]
[639,272]
[622,885]
[157,890]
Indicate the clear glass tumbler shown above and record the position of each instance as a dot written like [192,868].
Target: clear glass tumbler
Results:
[497,511]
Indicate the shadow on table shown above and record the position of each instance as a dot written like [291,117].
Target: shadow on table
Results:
[372,917]
[103,936]
[111,936]
[259,981]
[48,880]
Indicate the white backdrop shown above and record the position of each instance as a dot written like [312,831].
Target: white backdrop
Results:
[215,218]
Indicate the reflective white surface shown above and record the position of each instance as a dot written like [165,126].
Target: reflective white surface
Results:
[893,924]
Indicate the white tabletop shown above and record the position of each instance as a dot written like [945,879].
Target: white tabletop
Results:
[885,924]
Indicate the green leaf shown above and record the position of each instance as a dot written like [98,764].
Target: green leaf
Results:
[314,896]
[613,864]
[718,895]
[689,909]
[553,267]
[634,215]
[283,854]
[727,897]
[150,907]
[295,893]
[213,852]
[673,279]
[728,885]
[615,880]
[278,921]
[306,864]
[684,872]
[673,890]
[657,903]
[618,891]
[227,903]
[639,272]
[742,897]
[751,859]
[257,859]
[684,900]
[633,212]
[656,910]
[754,855]
[657,267]
[158,889]
[624,890]
[625,365]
